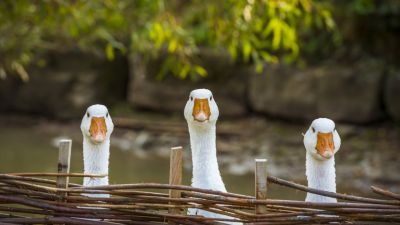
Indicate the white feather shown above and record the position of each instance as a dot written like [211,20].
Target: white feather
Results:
[320,171]
[206,173]
[96,156]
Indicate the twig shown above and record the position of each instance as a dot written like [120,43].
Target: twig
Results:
[385,193]
[57,175]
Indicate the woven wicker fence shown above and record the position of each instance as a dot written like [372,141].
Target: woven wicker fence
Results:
[28,199]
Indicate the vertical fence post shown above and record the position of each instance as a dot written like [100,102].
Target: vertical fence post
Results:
[175,175]
[261,184]
[64,158]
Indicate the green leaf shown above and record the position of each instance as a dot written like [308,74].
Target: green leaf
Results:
[268,57]
[110,52]
[21,71]
[184,71]
[3,74]
[173,44]
[276,39]
[259,67]
[271,25]
[246,50]
[232,51]
[200,71]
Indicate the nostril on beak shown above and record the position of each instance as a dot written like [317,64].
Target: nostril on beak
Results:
[201,117]
[328,154]
[98,137]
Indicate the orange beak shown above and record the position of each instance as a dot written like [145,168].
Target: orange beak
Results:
[325,145]
[201,110]
[98,129]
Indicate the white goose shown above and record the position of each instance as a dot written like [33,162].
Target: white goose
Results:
[96,127]
[321,141]
[201,113]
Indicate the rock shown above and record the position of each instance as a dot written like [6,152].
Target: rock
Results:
[392,95]
[343,93]
[351,93]
[66,86]
[284,92]
[226,81]
[44,94]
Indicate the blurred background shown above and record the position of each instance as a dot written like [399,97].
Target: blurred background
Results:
[273,67]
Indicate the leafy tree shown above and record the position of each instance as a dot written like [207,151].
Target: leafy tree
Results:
[251,31]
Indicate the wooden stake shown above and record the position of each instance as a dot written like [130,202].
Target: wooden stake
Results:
[175,175]
[261,184]
[64,159]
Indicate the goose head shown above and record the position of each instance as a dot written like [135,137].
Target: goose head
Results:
[322,140]
[201,108]
[97,125]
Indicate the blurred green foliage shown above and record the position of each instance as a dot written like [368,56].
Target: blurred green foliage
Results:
[365,7]
[252,31]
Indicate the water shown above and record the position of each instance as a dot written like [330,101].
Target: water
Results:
[29,149]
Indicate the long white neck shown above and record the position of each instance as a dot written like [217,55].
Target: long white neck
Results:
[320,175]
[95,161]
[204,157]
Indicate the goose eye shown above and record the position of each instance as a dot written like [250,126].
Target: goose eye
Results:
[211,98]
[88,114]
[191,98]
[313,130]
[107,115]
